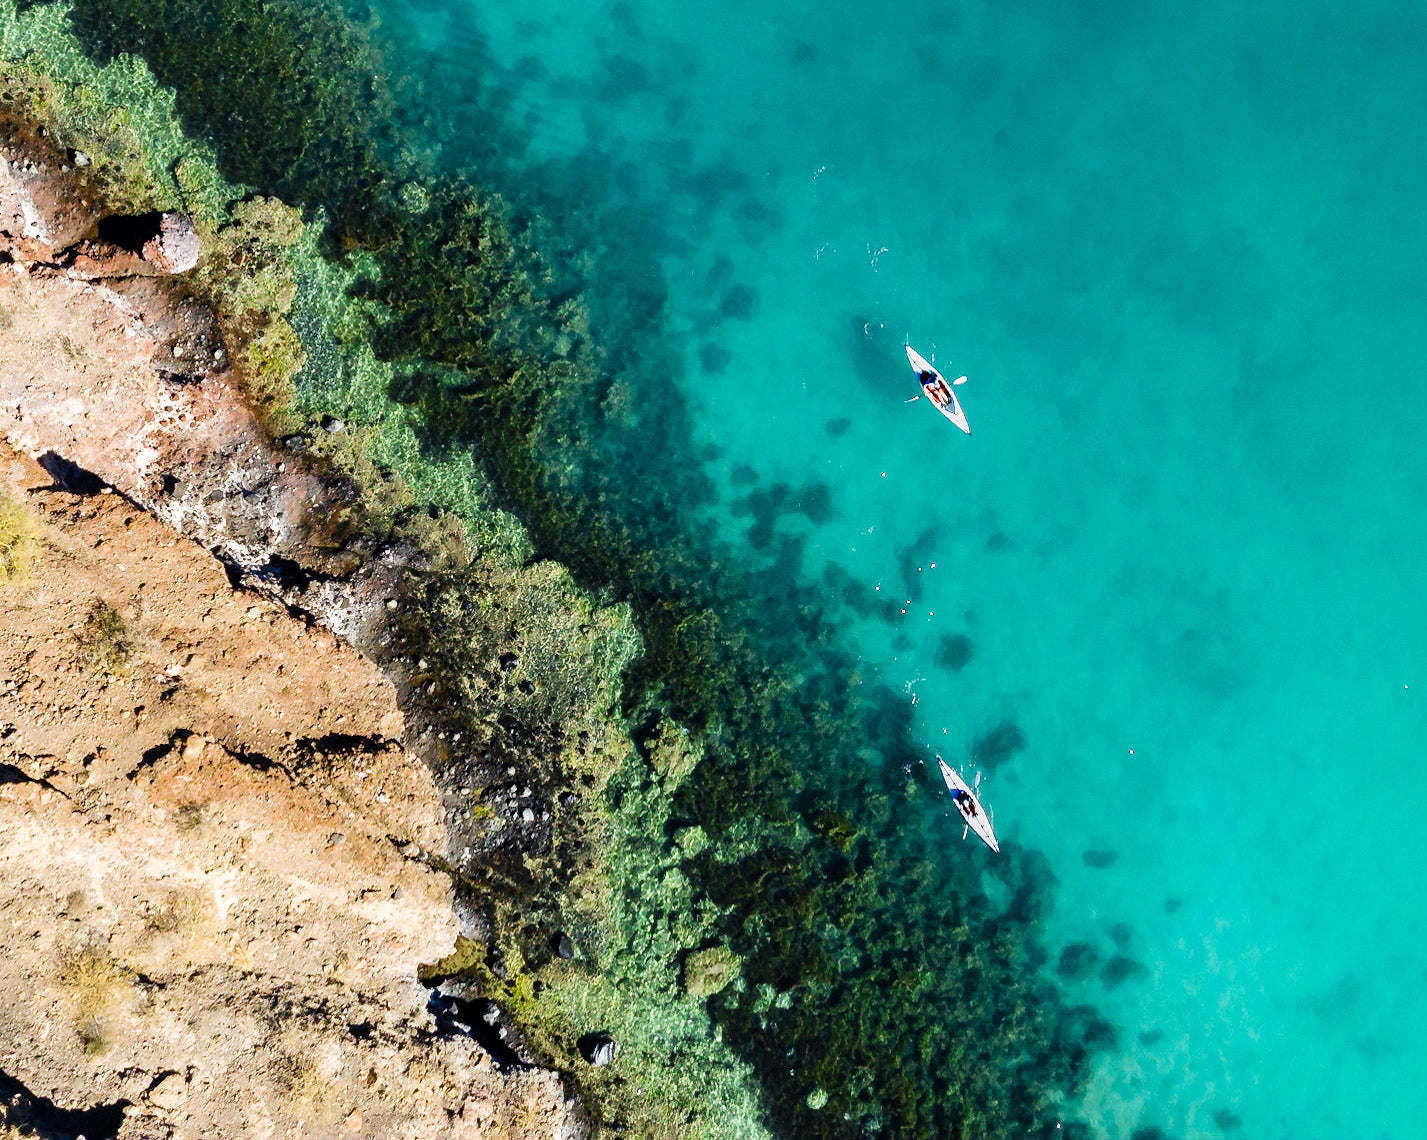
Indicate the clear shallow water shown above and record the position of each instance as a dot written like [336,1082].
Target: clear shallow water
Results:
[1181,257]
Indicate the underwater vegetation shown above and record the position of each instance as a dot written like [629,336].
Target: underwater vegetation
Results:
[737,843]
[281,116]
[954,651]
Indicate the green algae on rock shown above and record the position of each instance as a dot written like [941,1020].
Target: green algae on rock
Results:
[706,972]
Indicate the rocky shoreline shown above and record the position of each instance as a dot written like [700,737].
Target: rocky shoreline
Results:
[424,402]
[225,858]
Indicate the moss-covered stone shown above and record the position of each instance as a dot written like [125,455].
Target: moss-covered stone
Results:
[674,754]
[706,972]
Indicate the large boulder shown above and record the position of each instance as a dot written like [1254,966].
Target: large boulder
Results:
[175,247]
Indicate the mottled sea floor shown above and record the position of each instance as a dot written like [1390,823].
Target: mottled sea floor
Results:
[1180,254]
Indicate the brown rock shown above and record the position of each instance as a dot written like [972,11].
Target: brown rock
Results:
[169,1093]
[40,204]
[193,747]
[178,931]
[175,248]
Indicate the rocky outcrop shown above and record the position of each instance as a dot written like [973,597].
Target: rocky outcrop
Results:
[219,868]
[122,374]
[44,206]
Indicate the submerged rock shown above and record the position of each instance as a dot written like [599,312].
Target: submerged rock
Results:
[706,972]
[954,652]
[1077,961]
[1119,970]
[597,1048]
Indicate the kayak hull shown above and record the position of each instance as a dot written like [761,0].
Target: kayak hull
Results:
[974,815]
[938,390]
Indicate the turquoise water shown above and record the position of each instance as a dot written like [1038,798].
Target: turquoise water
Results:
[1181,256]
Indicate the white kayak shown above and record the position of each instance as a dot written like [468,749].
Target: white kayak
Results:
[938,390]
[968,805]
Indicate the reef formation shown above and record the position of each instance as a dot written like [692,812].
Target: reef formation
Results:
[695,843]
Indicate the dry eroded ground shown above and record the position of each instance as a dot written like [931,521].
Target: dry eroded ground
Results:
[213,897]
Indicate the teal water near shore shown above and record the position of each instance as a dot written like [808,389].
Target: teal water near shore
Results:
[1182,257]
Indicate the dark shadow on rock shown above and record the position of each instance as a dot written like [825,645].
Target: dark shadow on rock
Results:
[597,1048]
[39,1116]
[458,1013]
[131,233]
[69,476]
[340,743]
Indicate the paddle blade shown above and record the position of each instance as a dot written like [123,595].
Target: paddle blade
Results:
[959,380]
[965,830]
